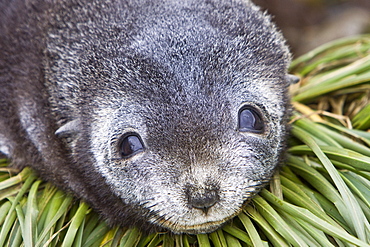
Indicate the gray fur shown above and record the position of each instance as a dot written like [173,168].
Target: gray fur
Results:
[76,75]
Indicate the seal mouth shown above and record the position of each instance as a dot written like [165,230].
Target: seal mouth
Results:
[206,227]
[193,219]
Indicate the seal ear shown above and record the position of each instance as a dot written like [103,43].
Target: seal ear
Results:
[291,79]
[69,128]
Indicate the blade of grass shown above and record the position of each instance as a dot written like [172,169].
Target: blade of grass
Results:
[9,220]
[269,231]
[251,230]
[110,238]
[326,48]
[80,232]
[323,186]
[156,240]
[11,181]
[20,218]
[203,240]
[365,208]
[179,240]
[4,210]
[362,119]
[15,236]
[307,94]
[312,219]
[353,213]
[298,229]
[239,234]
[91,223]
[288,173]
[312,127]
[343,155]
[30,231]
[75,224]
[58,206]
[218,238]
[8,225]
[54,237]
[186,241]
[306,202]
[9,192]
[357,134]
[318,235]
[45,212]
[145,240]
[315,178]
[362,190]
[131,237]
[333,59]
[343,140]
[97,235]
[277,222]
[168,241]
[302,196]
[232,241]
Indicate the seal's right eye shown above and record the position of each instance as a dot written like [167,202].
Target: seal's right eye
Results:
[250,120]
[130,145]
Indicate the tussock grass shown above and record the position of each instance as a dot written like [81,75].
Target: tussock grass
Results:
[321,197]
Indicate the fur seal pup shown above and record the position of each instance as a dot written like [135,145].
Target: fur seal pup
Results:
[167,112]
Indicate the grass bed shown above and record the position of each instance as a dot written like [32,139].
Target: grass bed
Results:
[320,197]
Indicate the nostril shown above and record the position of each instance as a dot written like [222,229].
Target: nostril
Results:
[203,201]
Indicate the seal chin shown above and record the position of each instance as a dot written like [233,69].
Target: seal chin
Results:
[206,227]
[200,225]
[200,229]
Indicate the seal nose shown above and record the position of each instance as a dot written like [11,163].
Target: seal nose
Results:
[202,199]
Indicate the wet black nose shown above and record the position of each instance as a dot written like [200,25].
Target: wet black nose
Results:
[202,199]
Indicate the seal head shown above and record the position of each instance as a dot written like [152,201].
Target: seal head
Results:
[169,112]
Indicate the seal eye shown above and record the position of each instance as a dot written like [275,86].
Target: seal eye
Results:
[250,120]
[130,145]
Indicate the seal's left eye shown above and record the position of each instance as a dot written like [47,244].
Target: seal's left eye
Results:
[250,120]
[130,145]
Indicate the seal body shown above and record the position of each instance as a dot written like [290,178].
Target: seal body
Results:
[168,112]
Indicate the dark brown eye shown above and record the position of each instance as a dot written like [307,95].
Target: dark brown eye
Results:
[250,120]
[130,145]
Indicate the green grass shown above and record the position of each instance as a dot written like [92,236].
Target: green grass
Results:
[320,197]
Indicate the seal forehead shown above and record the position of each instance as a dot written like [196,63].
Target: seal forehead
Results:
[233,32]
